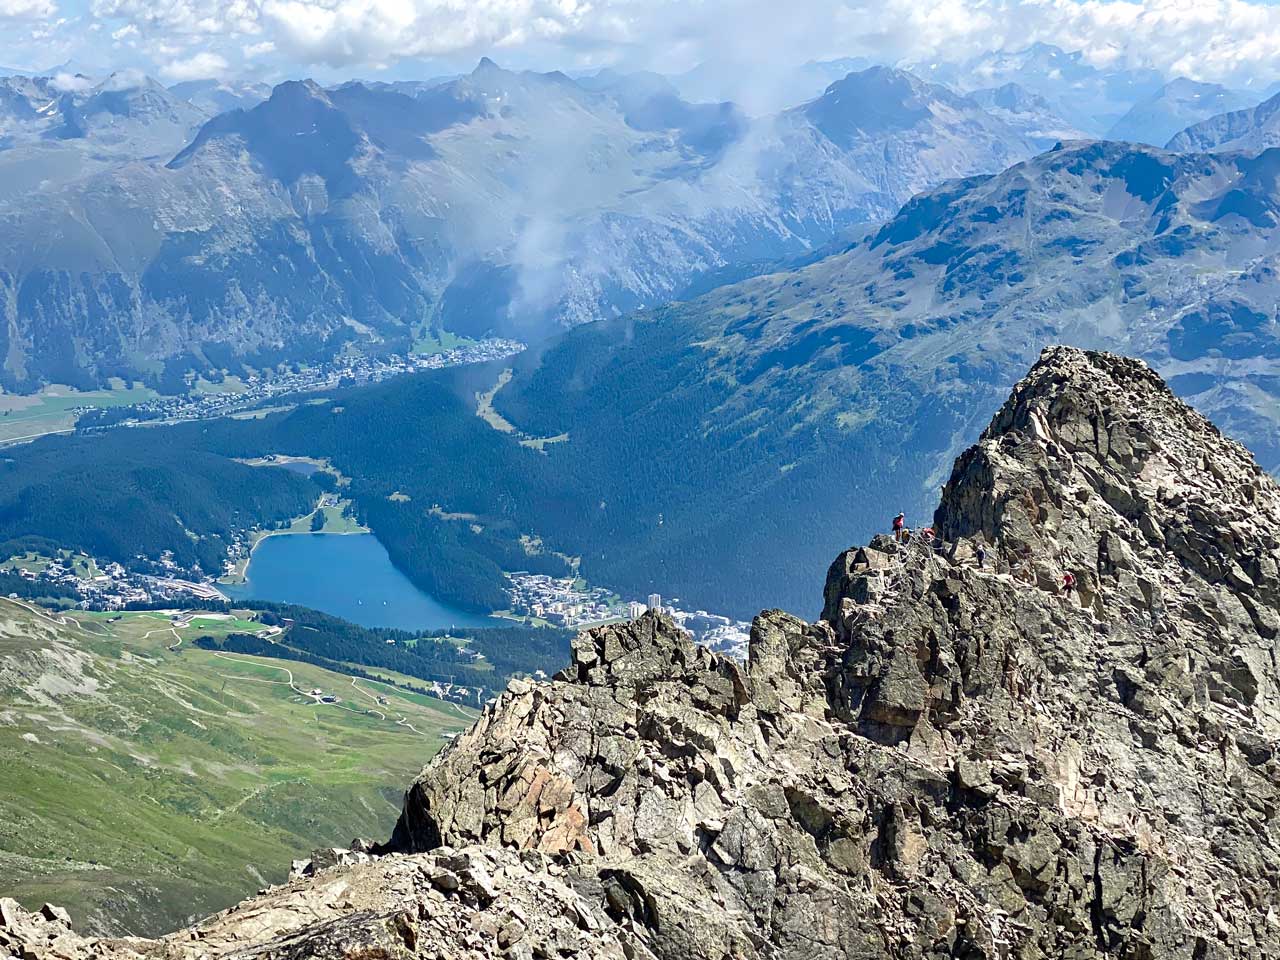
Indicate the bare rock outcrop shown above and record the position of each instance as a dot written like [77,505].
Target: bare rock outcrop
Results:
[959,759]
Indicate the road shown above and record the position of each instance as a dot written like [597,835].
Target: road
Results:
[316,699]
[35,436]
[401,721]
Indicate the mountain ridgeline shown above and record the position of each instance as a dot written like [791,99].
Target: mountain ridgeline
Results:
[747,416]
[496,203]
[959,758]
[695,438]
[1091,98]
[1174,107]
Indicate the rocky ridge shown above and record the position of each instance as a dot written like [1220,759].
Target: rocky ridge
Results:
[958,759]
[1250,130]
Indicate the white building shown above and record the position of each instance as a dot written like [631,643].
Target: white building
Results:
[655,601]
[635,609]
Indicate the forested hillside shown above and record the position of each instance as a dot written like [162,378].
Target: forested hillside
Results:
[701,449]
[647,500]
[139,491]
[432,656]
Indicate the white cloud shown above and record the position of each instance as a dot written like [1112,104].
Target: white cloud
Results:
[1228,40]
[201,66]
[27,9]
[1206,39]
[213,19]
[339,32]
[70,83]
[131,78]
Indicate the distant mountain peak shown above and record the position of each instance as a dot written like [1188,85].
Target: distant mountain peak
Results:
[884,100]
[306,89]
[879,77]
[1248,129]
[121,80]
[1177,104]
[872,101]
[1014,96]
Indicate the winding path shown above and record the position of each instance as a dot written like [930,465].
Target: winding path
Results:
[315,699]
[401,721]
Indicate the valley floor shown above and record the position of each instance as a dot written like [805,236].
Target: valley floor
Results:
[144,780]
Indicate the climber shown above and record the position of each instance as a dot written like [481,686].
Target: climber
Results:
[899,526]
[1068,582]
[981,554]
[927,534]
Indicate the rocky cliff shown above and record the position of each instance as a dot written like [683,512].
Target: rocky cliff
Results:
[959,759]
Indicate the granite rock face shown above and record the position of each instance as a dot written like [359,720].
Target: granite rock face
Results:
[956,760]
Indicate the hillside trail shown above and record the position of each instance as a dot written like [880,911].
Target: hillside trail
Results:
[400,721]
[315,699]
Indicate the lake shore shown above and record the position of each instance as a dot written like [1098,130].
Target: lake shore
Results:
[347,574]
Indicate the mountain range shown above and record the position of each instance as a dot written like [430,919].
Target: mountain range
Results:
[147,231]
[1250,130]
[1091,97]
[958,757]
[498,202]
[123,115]
[219,96]
[853,381]
[59,131]
[1038,119]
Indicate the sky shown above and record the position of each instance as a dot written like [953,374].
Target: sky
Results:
[1230,41]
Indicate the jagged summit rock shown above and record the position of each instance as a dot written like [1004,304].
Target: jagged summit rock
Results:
[956,760]
[1093,465]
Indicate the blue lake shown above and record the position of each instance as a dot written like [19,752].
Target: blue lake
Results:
[349,576]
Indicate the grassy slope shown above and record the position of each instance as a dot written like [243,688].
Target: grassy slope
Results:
[50,410]
[141,785]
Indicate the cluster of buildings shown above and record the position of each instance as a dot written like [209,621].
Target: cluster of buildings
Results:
[562,602]
[559,600]
[718,633]
[113,587]
[343,371]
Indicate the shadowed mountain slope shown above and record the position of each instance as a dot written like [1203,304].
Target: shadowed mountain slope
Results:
[496,203]
[958,760]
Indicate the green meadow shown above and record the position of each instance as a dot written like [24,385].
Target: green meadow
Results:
[145,781]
